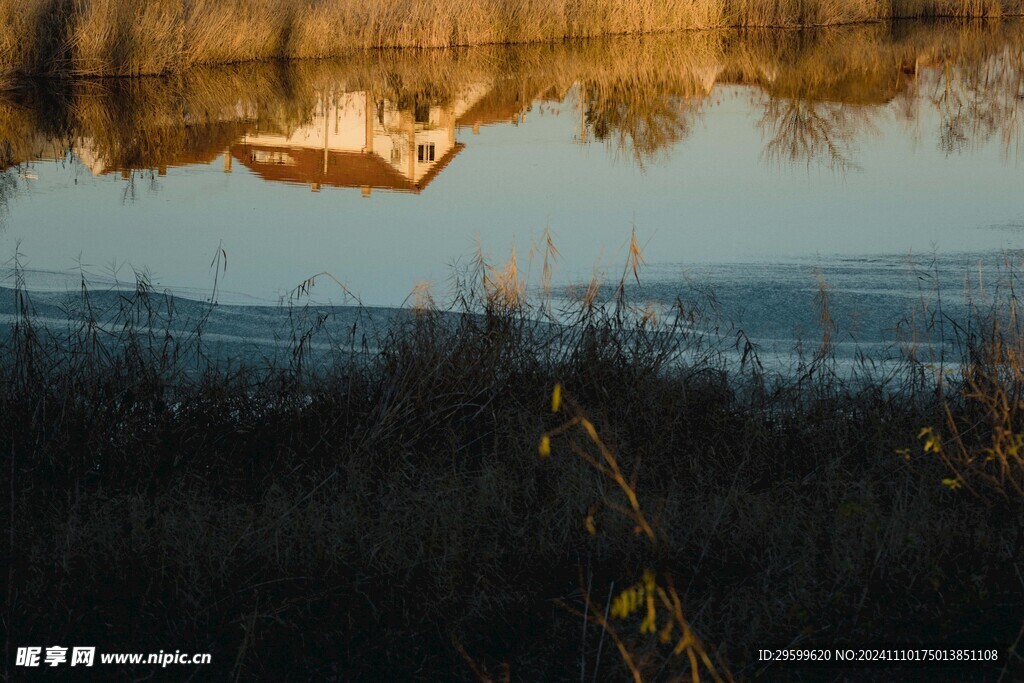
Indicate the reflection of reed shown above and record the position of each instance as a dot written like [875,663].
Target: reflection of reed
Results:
[155,123]
[640,96]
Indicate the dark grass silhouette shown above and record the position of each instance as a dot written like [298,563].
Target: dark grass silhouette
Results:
[381,512]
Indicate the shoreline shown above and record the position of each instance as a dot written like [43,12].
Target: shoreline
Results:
[21,60]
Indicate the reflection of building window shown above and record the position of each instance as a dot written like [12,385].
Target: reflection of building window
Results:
[425,152]
[422,113]
[261,156]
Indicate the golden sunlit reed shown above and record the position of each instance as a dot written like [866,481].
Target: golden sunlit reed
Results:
[124,37]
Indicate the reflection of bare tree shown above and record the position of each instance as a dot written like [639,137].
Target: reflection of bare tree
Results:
[8,186]
[642,123]
[952,123]
[907,107]
[978,100]
[813,132]
[642,97]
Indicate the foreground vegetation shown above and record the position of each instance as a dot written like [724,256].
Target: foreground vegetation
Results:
[428,506]
[129,37]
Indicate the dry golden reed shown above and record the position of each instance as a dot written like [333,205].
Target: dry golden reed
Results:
[125,37]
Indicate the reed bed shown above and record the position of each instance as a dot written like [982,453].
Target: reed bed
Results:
[383,510]
[132,37]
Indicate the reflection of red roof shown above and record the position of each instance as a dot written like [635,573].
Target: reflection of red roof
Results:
[502,103]
[187,158]
[344,169]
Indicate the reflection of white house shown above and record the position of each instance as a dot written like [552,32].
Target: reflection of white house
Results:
[85,149]
[355,140]
[350,140]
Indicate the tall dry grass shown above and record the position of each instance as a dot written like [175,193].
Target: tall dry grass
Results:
[385,514]
[980,437]
[128,37]
[35,38]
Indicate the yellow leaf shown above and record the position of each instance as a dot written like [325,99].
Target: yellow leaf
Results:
[666,632]
[556,398]
[545,446]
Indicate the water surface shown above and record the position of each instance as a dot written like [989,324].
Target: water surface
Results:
[757,164]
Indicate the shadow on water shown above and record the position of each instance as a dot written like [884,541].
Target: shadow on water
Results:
[391,120]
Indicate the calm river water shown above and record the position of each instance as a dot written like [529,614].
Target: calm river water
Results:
[884,161]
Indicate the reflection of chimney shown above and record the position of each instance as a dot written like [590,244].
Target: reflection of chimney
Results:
[583,117]
[448,121]
[161,170]
[315,187]
[412,149]
[476,128]
[366,191]
[126,174]
[227,161]
[368,146]
[327,134]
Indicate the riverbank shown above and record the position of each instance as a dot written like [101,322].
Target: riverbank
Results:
[132,37]
[393,511]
